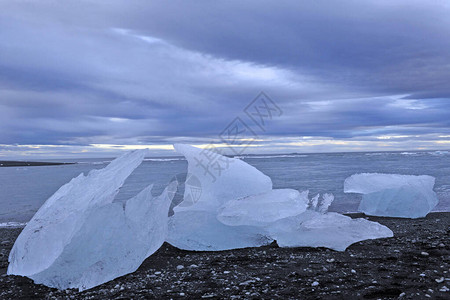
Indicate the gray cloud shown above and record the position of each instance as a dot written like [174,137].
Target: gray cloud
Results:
[80,73]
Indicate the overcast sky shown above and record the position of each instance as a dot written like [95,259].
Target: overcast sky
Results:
[90,78]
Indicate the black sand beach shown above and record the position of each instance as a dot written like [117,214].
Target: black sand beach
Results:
[10,163]
[412,265]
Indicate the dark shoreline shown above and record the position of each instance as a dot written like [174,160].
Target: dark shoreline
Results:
[10,163]
[414,264]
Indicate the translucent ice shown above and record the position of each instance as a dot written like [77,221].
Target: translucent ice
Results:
[222,179]
[201,231]
[194,225]
[263,209]
[241,210]
[330,230]
[283,216]
[79,238]
[322,205]
[392,195]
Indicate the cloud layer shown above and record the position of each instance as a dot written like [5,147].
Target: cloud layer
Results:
[369,75]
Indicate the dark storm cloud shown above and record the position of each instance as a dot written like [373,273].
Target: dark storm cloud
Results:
[86,72]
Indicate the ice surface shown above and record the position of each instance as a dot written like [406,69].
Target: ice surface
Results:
[201,231]
[263,209]
[393,195]
[330,230]
[79,238]
[222,179]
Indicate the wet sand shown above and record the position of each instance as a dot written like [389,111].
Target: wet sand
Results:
[414,264]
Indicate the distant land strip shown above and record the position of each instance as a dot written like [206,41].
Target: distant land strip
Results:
[8,163]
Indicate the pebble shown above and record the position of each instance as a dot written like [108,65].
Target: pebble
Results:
[353,271]
[315,283]
[424,253]
[157,273]
[182,294]
[402,295]
[444,289]
[330,260]
[440,280]
[247,282]
[208,296]
[226,272]
[180,267]
[193,266]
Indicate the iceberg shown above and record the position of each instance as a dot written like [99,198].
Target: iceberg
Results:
[242,210]
[393,195]
[80,238]
[295,220]
[194,224]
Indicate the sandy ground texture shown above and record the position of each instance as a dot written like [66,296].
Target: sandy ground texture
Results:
[412,265]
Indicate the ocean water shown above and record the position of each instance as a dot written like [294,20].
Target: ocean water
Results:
[24,189]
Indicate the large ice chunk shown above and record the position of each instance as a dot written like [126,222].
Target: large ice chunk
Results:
[62,215]
[79,238]
[393,195]
[330,230]
[263,209]
[238,209]
[194,225]
[113,241]
[283,216]
[222,179]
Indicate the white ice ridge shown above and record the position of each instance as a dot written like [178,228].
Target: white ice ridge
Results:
[319,204]
[257,214]
[393,195]
[79,238]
